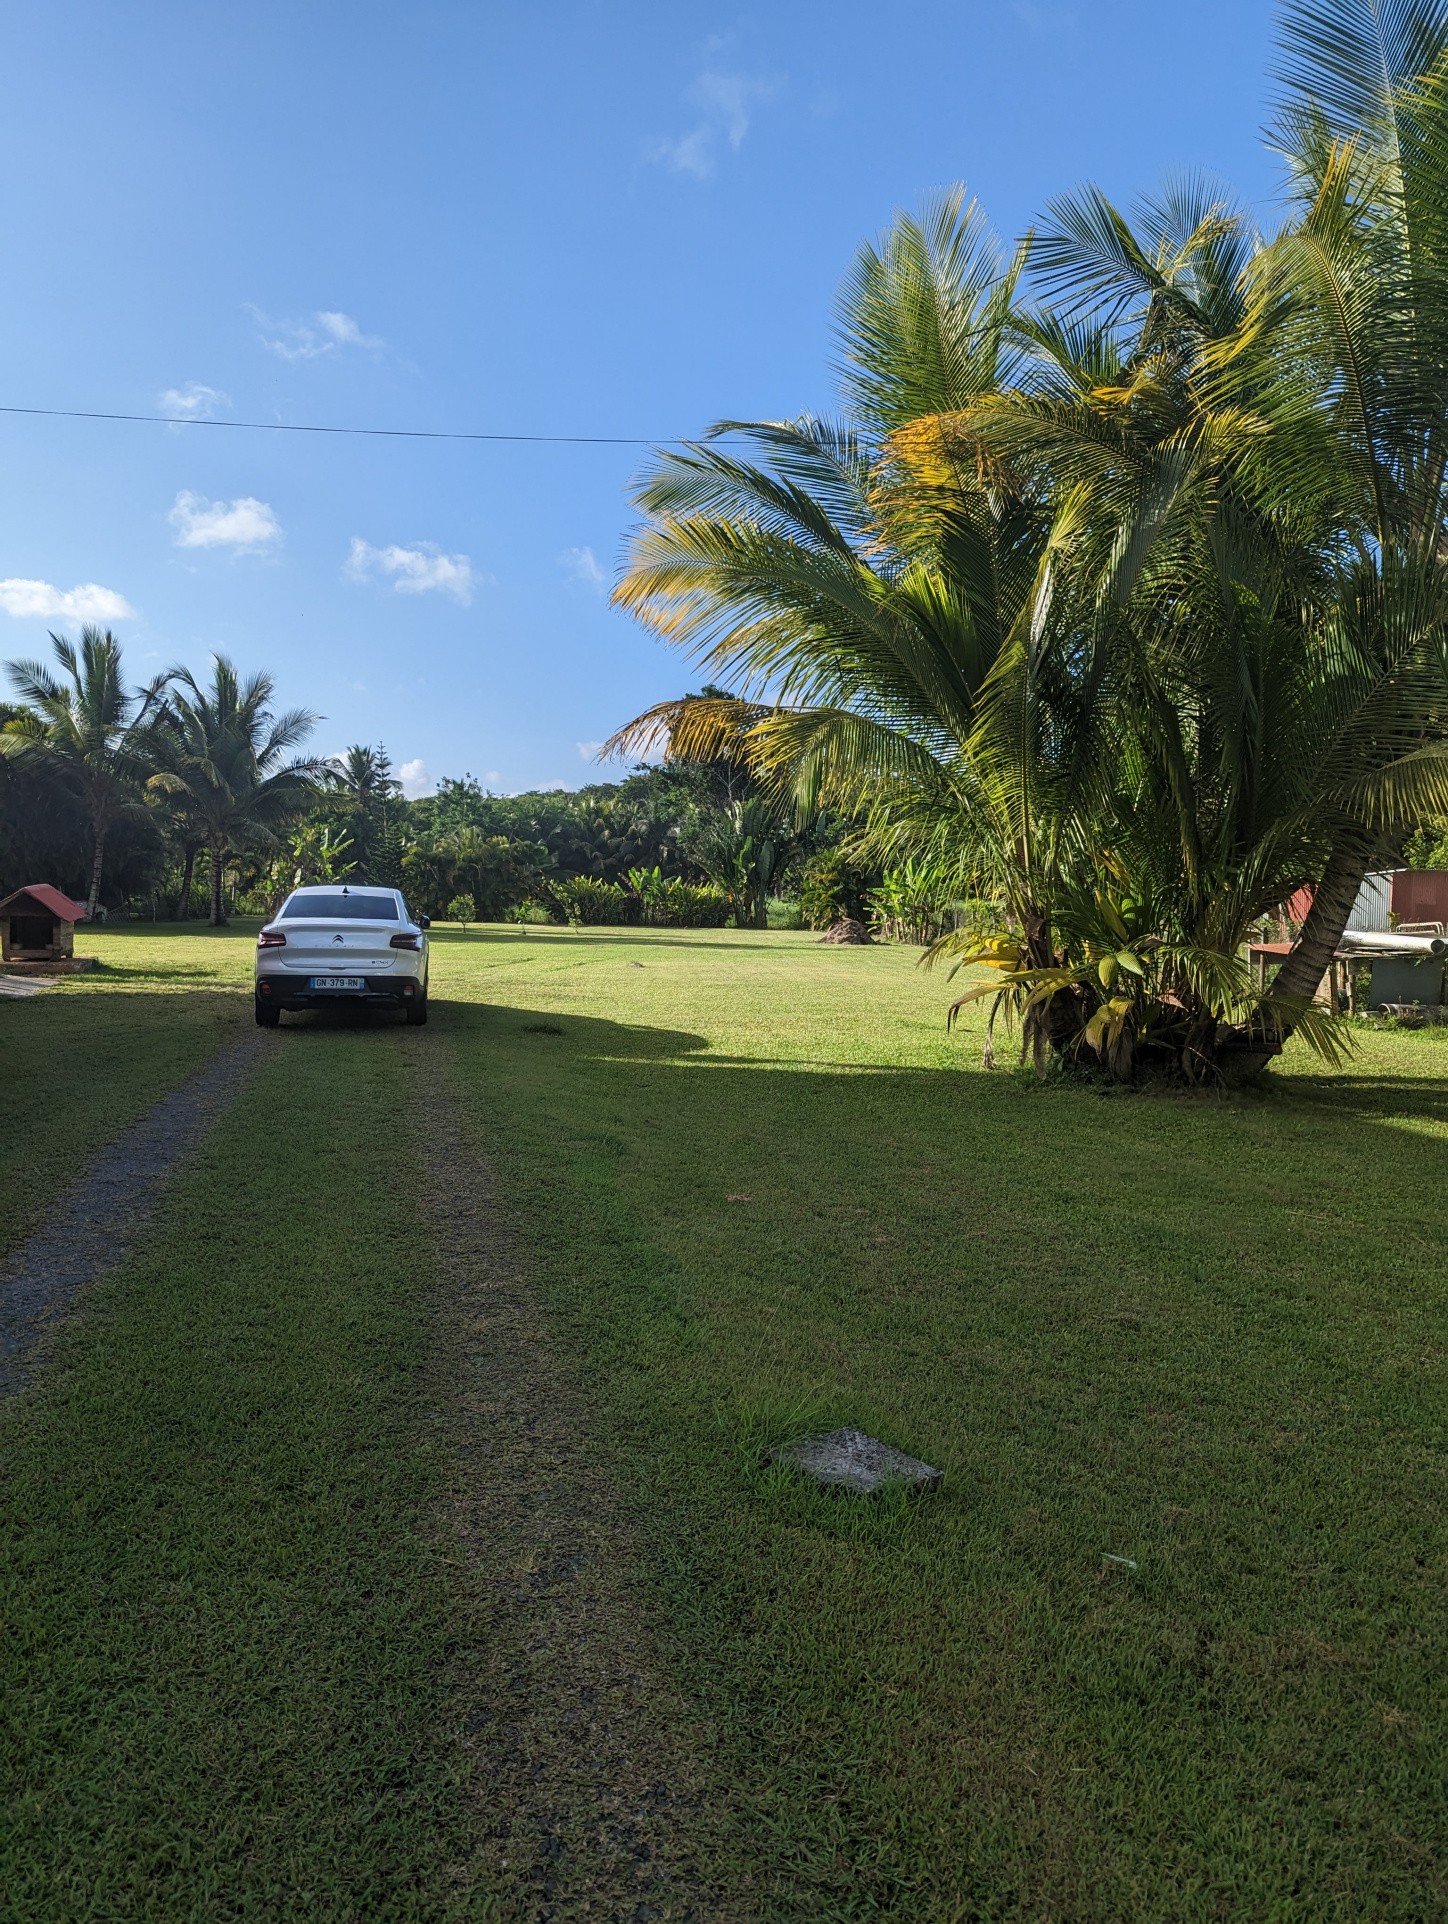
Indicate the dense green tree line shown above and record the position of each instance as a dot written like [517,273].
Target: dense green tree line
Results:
[190,796]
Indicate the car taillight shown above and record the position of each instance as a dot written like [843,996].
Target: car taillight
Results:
[406,942]
[271,939]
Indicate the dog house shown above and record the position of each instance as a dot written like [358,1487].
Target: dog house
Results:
[37,930]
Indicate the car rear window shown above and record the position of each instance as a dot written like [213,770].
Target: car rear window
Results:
[357,905]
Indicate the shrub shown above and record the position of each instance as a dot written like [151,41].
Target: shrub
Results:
[533,913]
[694,905]
[911,904]
[589,903]
[650,888]
[669,902]
[462,908]
[782,914]
[832,889]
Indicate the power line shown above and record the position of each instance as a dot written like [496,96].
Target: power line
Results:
[384,434]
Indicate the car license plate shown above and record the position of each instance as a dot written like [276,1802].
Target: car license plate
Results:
[339,982]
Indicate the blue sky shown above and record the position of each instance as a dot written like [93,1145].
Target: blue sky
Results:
[566,217]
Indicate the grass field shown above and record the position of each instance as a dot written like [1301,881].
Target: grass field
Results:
[78,1070]
[1168,1644]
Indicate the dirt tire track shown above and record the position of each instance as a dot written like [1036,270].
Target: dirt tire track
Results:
[594,1777]
[93,1225]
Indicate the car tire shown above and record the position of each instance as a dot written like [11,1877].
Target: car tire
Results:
[266,1016]
[417,1011]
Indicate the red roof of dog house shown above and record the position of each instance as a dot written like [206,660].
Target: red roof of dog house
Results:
[49,899]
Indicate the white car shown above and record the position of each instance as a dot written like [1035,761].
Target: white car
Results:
[342,944]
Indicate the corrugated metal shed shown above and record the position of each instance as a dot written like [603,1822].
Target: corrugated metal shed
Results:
[1374,903]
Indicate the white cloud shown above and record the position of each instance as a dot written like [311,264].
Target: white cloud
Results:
[728,96]
[308,339]
[246,524]
[344,330]
[690,154]
[726,102]
[582,564]
[492,778]
[414,571]
[587,750]
[39,601]
[194,402]
[415,779]
[548,788]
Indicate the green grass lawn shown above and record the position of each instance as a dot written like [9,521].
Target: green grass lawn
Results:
[225,1635]
[762,1190]
[77,1069]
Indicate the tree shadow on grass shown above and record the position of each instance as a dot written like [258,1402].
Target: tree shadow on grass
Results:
[602,1040]
[594,1038]
[113,972]
[1153,1114]
[646,937]
[1179,1330]
[1371,1098]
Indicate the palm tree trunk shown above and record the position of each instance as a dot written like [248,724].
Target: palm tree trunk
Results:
[1332,904]
[93,899]
[183,900]
[1250,1049]
[218,911]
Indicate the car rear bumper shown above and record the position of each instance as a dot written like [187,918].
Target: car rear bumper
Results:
[382,991]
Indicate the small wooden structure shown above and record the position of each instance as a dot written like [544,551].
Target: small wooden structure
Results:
[1334,985]
[1407,969]
[37,932]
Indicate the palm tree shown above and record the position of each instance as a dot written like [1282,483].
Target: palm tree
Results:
[230,768]
[364,775]
[472,856]
[1127,608]
[495,870]
[1263,473]
[854,596]
[188,832]
[192,840]
[88,730]
[363,778]
[1357,288]
[738,848]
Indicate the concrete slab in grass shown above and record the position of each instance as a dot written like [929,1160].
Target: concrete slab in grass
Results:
[850,1460]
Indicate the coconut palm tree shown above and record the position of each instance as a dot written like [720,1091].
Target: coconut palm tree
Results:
[92,733]
[363,778]
[854,614]
[187,831]
[857,591]
[495,870]
[1354,294]
[738,847]
[1127,606]
[364,775]
[1264,472]
[230,768]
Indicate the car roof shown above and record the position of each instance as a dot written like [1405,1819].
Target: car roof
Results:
[344,888]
